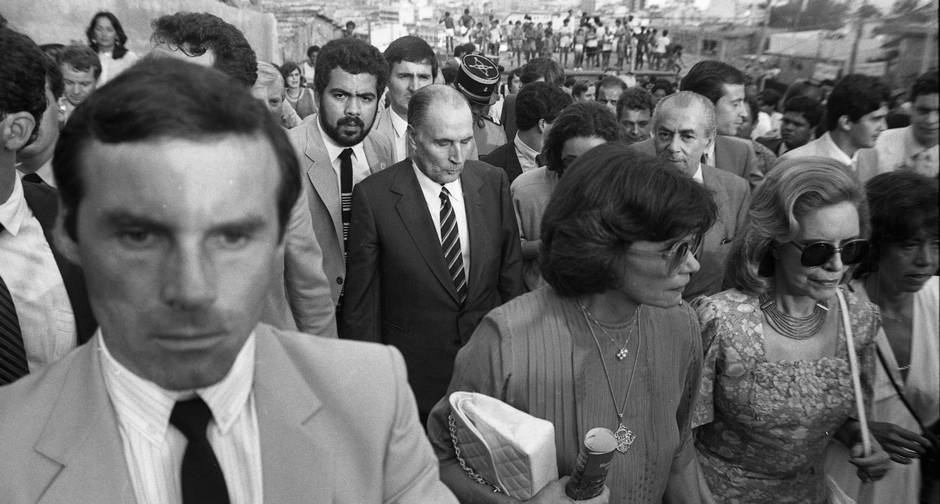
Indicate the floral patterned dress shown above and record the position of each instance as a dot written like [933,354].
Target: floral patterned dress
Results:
[763,426]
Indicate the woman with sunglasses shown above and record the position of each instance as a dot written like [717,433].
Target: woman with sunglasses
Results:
[608,343]
[577,129]
[776,382]
[106,36]
[900,277]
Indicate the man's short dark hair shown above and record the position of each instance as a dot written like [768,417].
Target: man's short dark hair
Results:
[539,100]
[609,199]
[809,107]
[542,68]
[663,84]
[635,98]
[579,88]
[81,58]
[708,78]
[855,95]
[164,98]
[582,119]
[609,81]
[769,97]
[22,76]
[195,33]
[312,49]
[353,56]
[925,84]
[411,49]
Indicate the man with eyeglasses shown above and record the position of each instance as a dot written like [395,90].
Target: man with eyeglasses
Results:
[684,127]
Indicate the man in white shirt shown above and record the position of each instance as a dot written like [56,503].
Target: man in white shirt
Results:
[182,396]
[335,146]
[855,117]
[436,246]
[915,147]
[412,65]
[309,66]
[44,311]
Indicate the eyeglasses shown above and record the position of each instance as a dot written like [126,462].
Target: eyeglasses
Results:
[676,254]
[819,253]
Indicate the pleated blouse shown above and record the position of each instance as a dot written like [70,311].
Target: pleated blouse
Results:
[537,353]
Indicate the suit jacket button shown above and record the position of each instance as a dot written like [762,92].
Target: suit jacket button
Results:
[339,280]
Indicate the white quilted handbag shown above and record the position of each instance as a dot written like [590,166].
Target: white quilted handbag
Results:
[497,445]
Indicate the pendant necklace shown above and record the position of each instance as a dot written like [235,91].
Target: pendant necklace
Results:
[622,350]
[798,328]
[624,436]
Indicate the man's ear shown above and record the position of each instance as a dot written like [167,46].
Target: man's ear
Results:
[845,124]
[16,130]
[64,243]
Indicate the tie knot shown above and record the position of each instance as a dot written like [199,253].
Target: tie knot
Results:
[191,417]
[444,193]
[346,154]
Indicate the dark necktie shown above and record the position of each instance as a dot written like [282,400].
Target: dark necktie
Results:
[32,177]
[345,189]
[450,244]
[12,353]
[201,477]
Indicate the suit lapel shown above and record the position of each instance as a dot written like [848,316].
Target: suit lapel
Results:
[713,184]
[293,460]
[476,222]
[413,211]
[81,439]
[322,176]
[512,161]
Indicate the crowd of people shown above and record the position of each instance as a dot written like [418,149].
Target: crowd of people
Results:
[224,280]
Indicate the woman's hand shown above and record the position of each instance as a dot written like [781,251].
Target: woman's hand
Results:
[902,445]
[874,466]
[554,493]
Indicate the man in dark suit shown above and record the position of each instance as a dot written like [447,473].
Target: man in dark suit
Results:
[44,311]
[537,104]
[723,85]
[433,246]
[683,129]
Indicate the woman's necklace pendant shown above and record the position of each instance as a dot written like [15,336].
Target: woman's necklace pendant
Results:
[625,437]
[622,353]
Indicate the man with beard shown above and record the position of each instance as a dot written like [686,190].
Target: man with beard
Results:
[434,246]
[335,147]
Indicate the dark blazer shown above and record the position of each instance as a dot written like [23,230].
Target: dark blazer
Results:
[508,117]
[773,144]
[398,288]
[505,157]
[43,200]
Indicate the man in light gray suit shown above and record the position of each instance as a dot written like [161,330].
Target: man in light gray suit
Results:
[683,129]
[337,146]
[182,396]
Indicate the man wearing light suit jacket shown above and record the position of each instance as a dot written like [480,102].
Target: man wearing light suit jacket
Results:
[350,78]
[433,246]
[182,396]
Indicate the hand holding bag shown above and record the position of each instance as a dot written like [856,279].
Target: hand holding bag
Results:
[500,446]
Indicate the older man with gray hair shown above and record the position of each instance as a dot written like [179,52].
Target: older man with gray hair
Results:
[684,128]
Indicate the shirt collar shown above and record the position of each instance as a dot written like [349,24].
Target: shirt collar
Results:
[334,150]
[14,211]
[145,407]
[399,124]
[697,176]
[835,152]
[524,148]
[432,188]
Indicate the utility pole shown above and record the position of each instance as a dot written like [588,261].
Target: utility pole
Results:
[853,56]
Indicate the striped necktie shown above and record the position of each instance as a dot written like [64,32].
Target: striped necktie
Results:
[450,244]
[345,189]
[12,352]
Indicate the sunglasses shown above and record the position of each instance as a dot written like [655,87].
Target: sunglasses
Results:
[819,253]
[676,254]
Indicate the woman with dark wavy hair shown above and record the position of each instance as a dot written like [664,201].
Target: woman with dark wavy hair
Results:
[106,36]
[900,277]
[776,382]
[297,94]
[609,342]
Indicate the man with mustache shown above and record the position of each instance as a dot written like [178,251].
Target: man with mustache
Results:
[433,247]
[336,148]
[855,117]
[684,128]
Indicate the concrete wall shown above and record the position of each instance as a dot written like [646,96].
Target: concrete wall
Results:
[63,21]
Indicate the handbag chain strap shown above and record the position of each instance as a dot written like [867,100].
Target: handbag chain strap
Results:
[475,476]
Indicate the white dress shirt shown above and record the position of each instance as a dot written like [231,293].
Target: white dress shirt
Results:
[400,127]
[899,150]
[153,449]
[360,166]
[28,267]
[525,154]
[432,197]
